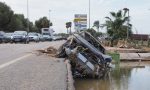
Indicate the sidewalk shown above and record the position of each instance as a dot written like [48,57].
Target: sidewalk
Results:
[135,56]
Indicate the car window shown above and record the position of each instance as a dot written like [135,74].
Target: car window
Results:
[45,33]
[20,33]
[33,34]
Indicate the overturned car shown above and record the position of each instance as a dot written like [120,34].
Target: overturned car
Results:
[86,55]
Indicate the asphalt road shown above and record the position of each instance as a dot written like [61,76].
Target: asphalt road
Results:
[22,69]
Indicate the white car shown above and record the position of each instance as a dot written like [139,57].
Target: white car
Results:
[34,37]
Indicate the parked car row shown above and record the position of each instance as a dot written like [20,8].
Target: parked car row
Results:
[21,36]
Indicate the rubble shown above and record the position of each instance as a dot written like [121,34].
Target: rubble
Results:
[86,55]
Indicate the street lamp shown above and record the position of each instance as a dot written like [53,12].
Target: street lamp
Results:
[126,9]
[28,16]
[89,14]
[49,18]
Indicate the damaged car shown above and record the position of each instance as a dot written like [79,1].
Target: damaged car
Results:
[86,54]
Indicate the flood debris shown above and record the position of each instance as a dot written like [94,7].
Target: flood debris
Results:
[86,54]
[49,51]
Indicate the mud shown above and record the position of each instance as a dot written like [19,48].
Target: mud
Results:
[51,51]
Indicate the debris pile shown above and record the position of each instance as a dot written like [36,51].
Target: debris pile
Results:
[49,51]
[86,55]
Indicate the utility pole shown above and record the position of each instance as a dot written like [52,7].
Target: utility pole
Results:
[28,30]
[49,18]
[89,14]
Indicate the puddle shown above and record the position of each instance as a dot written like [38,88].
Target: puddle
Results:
[125,78]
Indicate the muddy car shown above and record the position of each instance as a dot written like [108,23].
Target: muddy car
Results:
[87,56]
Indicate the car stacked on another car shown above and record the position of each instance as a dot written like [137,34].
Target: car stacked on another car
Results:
[34,37]
[20,36]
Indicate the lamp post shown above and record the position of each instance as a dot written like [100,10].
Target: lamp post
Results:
[89,14]
[28,17]
[126,9]
[49,18]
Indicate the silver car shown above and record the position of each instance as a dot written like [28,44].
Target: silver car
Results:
[20,36]
[34,37]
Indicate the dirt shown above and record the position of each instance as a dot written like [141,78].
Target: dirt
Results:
[146,49]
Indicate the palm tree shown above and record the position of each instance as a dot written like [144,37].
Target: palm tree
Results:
[97,25]
[117,25]
[68,25]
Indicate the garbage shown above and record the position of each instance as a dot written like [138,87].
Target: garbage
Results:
[86,55]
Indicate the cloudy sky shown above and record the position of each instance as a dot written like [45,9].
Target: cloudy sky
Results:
[64,10]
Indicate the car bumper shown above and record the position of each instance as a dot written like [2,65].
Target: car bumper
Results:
[33,39]
[7,40]
[49,39]
[18,39]
[1,40]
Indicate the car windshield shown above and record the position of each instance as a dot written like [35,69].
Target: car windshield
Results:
[33,34]
[45,33]
[19,33]
[9,34]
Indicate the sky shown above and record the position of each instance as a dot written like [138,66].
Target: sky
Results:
[63,11]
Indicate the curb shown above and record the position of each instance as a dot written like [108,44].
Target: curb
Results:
[70,80]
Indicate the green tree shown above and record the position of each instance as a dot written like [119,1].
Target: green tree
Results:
[33,28]
[10,22]
[42,23]
[117,25]
[5,16]
[15,24]
[19,22]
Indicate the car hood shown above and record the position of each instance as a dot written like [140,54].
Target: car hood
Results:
[18,36]
[46,36]
[33,36]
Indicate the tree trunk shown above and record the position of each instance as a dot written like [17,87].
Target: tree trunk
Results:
[97,29]
[67,31]
[70,30]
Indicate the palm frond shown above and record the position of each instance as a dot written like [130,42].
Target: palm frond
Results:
[108,18]
[113,14]
[119,14]
[125,19]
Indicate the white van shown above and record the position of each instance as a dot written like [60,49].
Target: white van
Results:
[47,33]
